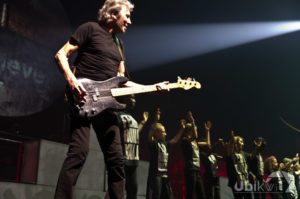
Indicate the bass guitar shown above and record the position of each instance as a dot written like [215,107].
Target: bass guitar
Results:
[101,94]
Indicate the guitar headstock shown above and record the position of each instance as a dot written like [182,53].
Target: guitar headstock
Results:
[188,83]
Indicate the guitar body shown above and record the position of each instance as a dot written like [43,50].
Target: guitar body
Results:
[101,94]
[99,97]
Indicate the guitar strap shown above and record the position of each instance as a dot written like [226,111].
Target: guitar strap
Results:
[122,54]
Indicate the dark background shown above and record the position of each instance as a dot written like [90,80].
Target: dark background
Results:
[245,88]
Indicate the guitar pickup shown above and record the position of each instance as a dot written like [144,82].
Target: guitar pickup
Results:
[95,98]
[97,92]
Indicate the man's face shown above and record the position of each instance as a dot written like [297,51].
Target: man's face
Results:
[192,133]
[161,134]
[122,20]
[259,141]
[240,144]
[274,164]
[130,102]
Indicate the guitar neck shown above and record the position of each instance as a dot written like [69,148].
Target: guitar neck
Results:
[136,90]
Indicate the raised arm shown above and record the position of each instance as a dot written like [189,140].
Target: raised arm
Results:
[229,146]
[207,126]
[177,137]
[157,115]
[191,120]
[62,59]
[142,123]
[295,160]
[258,144]
[151,133]
[152,129]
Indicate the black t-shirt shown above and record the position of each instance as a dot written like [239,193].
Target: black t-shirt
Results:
[256,166]
[191,155]
[210,164]
[98,55]
[237,168]
[159,158]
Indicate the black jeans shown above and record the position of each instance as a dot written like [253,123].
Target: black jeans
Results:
[193,183]
[108,134]
[131,182]
[276,195]
[158,188]
[260,190]
[212,187]
[241,194]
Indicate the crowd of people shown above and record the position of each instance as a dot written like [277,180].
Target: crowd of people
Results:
[249,175]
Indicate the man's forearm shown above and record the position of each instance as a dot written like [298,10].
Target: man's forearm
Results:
[63,64]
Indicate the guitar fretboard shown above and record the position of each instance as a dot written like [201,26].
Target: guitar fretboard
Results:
[136,90]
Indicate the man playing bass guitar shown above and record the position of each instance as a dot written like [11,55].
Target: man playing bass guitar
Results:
[99,58]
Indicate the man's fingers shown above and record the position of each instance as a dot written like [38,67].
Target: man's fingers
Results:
[163,86]
[82,89]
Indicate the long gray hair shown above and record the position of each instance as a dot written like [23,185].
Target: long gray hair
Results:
[112,7]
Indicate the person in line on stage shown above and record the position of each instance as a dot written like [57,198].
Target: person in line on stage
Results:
[158,186]
[275,178]
[100,57]
[289,184]
[190,150]
[256,166]
[209,160]
[130,131]
[237,168]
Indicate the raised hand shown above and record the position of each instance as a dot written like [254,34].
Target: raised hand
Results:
[229,146]
[190,117]
[232,135]
[296,158]
[145,116]
[157,115]
[145,119]
[207,125]
[182,123]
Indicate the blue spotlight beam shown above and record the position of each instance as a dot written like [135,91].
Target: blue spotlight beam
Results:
[148,46]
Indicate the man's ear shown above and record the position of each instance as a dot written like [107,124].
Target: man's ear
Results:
[114,15]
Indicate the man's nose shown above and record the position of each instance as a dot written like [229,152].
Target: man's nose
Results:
[128,20]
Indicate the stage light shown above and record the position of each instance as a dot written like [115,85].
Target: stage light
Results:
[288,26]
[148,46]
